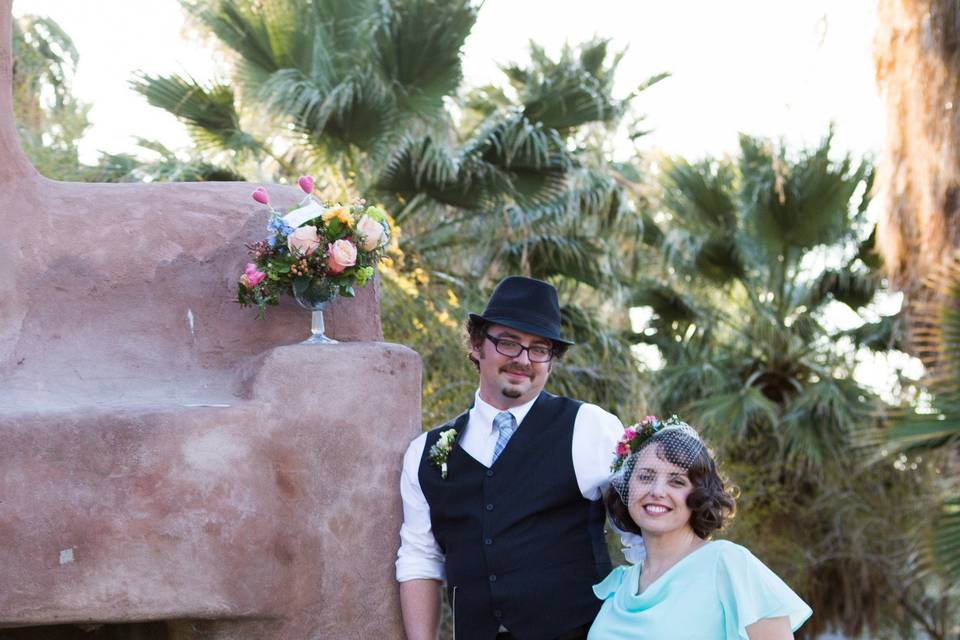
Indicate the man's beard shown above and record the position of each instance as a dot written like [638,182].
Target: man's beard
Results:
[509,391]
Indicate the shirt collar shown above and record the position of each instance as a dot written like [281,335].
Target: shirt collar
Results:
[487,412]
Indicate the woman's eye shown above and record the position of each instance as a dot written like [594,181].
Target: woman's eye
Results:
[645,477]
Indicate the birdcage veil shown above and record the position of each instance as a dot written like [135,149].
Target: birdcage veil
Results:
[674,440]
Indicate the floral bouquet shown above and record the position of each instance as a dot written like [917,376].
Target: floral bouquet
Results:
[316,251]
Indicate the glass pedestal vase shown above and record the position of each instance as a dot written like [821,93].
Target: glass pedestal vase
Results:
[316,297]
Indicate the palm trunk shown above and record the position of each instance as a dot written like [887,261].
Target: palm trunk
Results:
[918,70]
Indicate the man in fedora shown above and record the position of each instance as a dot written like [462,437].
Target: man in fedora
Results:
[502,502]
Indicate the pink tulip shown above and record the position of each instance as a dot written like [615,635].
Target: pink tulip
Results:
[306,183]
[251,276]
[260,195]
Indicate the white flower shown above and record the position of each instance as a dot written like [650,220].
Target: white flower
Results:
[441,450]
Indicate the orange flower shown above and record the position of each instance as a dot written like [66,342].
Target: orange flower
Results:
[340,213]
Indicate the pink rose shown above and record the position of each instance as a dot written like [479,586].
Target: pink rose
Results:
[650,419]
[306,183]
[622,449]
[251,277]
[303,241]
[342,254]
[371,231]
[629,434]
[260,195]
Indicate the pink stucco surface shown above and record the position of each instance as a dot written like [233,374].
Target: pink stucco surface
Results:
[163,454]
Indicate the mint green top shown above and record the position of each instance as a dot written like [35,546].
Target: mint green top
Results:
[714,593]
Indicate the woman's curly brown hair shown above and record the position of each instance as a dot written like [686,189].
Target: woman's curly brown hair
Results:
[710,504]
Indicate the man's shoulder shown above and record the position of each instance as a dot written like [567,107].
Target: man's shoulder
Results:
[448,424]
[594,411]
[546,396]
[595,422]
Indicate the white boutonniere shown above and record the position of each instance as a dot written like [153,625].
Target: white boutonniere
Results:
[440,451]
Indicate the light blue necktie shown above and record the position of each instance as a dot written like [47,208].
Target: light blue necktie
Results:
[505,423]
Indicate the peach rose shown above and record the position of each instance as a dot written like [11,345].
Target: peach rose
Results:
[371,231]
[342,254]
[303,241]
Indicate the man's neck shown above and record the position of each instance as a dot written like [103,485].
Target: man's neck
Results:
[501,402]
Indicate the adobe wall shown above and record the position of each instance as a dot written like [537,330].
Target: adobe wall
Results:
[163,454]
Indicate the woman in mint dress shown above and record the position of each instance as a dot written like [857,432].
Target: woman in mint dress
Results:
[688,587]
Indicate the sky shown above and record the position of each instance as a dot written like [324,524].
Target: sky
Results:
[777,68]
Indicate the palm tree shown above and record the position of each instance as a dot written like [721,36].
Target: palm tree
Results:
[535,197]
[50,120]
[756,257]
[320,83]
[917,65]
[508,186]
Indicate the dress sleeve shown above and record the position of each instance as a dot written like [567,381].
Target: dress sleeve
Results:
[750,592]
[609,585]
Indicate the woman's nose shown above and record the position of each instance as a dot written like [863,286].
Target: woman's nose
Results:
[658,486]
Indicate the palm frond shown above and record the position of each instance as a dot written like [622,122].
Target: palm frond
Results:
[357,110]
[884,335]
[734,415]
[819,421]
[669,305]
[946,539]
[545,256]
[700,196]
[853,288]
[208,111]
[417,46]
[572,91]
[797,204]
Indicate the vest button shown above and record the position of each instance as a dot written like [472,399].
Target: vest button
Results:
[488,541]
[493,577]
[497,613]
[489,473]
[489,507]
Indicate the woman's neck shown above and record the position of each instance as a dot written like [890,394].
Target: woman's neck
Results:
[666,549]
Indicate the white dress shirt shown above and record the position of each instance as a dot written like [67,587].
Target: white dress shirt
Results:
[595,435]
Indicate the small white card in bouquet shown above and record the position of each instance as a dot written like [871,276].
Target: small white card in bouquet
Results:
[298,216]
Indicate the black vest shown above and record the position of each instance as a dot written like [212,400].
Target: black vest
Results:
[523,546]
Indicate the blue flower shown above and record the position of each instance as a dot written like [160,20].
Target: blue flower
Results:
[279,226]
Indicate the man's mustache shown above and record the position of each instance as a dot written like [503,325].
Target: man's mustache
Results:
[520,370]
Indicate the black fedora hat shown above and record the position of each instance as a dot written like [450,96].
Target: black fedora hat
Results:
[527,305]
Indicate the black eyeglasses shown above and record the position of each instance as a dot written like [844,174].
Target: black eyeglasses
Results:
[512,349]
